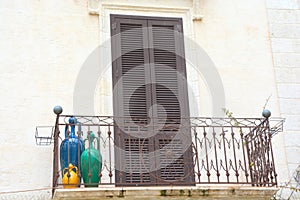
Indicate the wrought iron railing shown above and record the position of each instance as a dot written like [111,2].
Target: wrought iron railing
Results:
[224,150]
[232,151]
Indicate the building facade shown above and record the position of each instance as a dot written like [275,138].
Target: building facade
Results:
[240,55]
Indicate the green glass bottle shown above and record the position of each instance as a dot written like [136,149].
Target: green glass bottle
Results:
[91,162]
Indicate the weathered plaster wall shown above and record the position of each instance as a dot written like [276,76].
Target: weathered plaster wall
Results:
[284,23]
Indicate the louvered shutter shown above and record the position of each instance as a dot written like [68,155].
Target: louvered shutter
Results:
[131,100]
[149,69]
[170,92]
[129,73]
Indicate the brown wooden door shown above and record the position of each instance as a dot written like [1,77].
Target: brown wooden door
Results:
[152,137]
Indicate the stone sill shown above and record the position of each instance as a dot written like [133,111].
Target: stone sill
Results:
[177,192]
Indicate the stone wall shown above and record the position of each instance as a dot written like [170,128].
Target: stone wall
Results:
[284,23]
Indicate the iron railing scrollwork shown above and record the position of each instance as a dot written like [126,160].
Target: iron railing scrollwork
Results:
[260,154]
[224,151]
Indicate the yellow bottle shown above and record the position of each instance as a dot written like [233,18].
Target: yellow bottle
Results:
[70,178]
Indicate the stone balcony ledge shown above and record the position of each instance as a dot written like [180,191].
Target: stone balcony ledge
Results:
[177,192]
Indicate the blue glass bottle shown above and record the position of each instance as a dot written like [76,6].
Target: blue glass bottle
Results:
[71,147]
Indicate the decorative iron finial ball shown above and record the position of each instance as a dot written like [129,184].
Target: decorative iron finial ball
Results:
[266,113]
[72,120]
[57,110]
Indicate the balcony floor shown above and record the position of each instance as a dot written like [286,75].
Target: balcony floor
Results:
[230,192]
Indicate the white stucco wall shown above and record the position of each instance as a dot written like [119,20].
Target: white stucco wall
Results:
[45,43]
[284,23]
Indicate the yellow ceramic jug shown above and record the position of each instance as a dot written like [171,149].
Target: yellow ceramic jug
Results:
[70,178]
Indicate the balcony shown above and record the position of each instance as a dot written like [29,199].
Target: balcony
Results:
[225,153]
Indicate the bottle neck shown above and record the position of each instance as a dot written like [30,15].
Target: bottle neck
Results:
[72,135]
[91,143]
